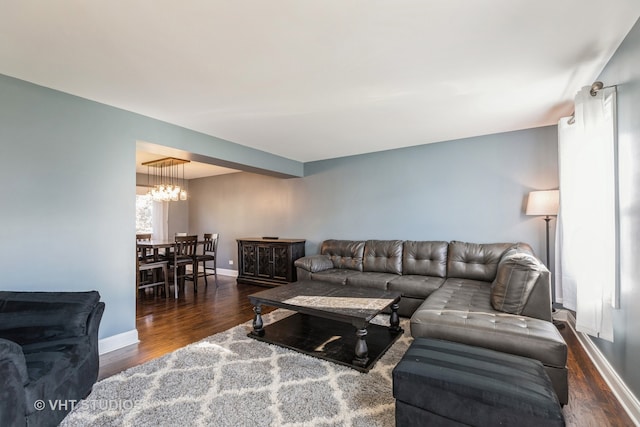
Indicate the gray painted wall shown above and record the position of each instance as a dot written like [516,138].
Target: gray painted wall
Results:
[472,189]
[67,167]
[624,71]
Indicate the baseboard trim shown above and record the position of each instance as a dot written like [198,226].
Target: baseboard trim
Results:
[227,272]
[118,341]
[220,271]
[626,398]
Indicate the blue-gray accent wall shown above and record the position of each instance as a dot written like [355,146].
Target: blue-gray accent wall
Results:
[67,167]
[470,189]
[623,70]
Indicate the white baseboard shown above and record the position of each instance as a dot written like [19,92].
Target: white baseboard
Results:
[626,398]
[220,271]
[115,342]
[226,272]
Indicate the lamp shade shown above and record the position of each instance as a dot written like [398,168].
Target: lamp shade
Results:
[543,202]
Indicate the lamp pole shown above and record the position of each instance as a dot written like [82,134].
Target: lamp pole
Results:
[545,203]
[547,219]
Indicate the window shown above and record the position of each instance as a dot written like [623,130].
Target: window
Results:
[144,213]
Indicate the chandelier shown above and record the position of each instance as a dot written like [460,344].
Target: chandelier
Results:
[165,180]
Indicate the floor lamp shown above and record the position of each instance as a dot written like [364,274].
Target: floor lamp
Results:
[545,203]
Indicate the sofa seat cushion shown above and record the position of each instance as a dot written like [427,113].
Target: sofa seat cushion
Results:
[416,286]
[334,275]
[461,311]
[371,280]
[54,370]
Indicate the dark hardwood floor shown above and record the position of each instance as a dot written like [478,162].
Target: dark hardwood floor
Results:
[165,325]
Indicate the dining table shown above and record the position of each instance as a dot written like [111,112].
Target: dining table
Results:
[155,246]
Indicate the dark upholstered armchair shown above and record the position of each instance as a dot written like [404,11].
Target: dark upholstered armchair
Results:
[48,354]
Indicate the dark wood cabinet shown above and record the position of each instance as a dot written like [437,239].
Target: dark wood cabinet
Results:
[268,262]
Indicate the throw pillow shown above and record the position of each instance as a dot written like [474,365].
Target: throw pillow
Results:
[517,274]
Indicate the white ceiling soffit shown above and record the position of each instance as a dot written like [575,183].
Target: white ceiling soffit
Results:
[311,80]
[192,170]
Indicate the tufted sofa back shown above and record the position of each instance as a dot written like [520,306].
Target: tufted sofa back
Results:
[384,256]
[475,261]
[425,258]
[345,254]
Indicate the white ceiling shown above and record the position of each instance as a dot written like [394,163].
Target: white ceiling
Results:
[311,80]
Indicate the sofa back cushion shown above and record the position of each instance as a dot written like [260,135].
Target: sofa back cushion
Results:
[518,272]
[475,261]
[383,256]
[27,317]
[345,254]
[425,258]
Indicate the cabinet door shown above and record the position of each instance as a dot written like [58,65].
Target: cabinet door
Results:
[249,261]
[265,262]
[281,262]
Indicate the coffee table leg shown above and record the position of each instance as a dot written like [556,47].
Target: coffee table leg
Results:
[394,320]
[362,351]
[258,326]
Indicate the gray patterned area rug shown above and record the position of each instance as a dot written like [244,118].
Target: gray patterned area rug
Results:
[229,379]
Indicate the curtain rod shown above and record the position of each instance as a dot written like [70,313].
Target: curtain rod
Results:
[596,87]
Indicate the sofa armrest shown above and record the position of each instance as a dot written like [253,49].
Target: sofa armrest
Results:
[538,303]
[314,263]
[28,317]
[13,378]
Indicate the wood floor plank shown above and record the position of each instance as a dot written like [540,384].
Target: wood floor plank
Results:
[164,325]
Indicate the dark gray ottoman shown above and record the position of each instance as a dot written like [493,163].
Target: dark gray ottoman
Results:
[441,383]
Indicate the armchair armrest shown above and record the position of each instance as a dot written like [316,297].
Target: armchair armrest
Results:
[13,378]
[314,263]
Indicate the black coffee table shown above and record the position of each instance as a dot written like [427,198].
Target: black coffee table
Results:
[325,320]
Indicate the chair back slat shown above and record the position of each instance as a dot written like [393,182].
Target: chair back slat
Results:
[186,245]
[210,243]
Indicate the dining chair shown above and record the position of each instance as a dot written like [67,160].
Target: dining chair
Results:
[144,237]
[151,273]
[184,254]
[208,255]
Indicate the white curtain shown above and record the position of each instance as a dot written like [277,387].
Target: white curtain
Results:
[160,220]
[586,246]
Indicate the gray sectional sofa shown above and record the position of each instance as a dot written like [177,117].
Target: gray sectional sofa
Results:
[495,295]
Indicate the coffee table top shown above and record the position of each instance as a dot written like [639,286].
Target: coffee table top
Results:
[340,302]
